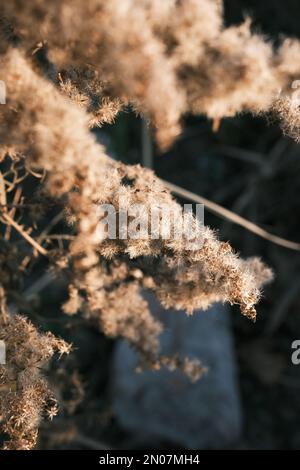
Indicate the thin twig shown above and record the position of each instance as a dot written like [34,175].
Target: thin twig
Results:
[51,224]
[43,234]
[54,236]
[40,284]
[24,234]
[17,197]
[2,190]
[91,443]
[147,146]
[12,206]
[229,215]
[239,154]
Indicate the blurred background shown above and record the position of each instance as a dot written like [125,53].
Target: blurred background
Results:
[249,167]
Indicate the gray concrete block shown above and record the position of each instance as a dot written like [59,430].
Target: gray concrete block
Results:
[165,406]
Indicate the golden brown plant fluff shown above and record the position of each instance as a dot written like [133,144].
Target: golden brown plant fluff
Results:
[53,132]
[165,60]
[24,394]
[71,65]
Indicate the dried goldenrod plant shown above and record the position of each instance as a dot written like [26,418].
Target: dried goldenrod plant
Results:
[24,394]
[69,66]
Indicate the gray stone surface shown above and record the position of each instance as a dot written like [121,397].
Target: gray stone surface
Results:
[165,406]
